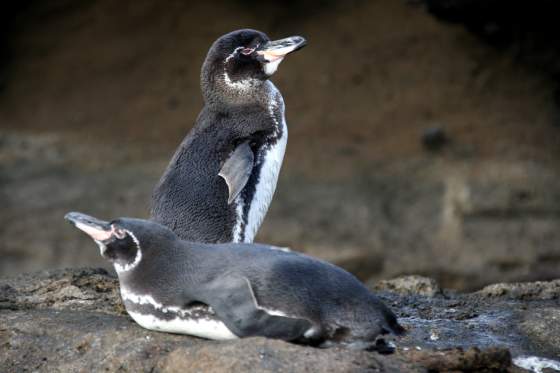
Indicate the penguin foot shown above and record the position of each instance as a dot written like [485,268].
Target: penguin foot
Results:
[382,347]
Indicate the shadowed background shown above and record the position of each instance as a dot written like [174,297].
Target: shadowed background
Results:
[424,137]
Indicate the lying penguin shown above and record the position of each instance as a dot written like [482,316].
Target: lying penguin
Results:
[220,182]
[228,291]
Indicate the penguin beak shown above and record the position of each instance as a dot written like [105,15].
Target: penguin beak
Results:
[278,49]
[97,229]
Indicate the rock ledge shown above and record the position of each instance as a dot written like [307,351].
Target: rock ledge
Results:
[73,320]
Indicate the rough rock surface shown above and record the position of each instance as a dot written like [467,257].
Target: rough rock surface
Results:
[543,327]
[410,285]
[542,290]
[73,320]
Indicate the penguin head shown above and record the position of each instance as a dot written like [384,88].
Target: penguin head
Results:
[122,241]
[240,61]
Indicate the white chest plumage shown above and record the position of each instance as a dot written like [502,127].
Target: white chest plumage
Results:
[271,161]
[203,328]
[181,321]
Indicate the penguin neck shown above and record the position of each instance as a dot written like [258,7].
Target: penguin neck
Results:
[170,261]
[221,89]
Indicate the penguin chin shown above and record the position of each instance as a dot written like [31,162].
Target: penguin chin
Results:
[270,67]
[102,248]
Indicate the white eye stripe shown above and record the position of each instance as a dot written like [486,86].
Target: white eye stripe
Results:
[136,241]
[129,266]
[232,54]
[247,51]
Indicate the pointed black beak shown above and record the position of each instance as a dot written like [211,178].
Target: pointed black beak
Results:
[277,49]
[97,229]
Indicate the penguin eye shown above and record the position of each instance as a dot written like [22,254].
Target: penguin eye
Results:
[247,51]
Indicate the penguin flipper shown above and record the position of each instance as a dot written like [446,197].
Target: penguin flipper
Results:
[237,169]
[235,304]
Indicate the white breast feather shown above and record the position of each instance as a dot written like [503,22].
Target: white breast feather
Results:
[270,169]
[181,324]
[204,328]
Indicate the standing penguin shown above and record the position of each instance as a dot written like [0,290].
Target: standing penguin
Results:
[228,291]
[219,184]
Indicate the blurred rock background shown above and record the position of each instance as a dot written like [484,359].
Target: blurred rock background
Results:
[424,135]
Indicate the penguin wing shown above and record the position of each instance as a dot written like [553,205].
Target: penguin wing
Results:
[237,169]
[235,304]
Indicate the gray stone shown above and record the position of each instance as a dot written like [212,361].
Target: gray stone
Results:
[543,328]
[409,285]
[265,355]
[542,290]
